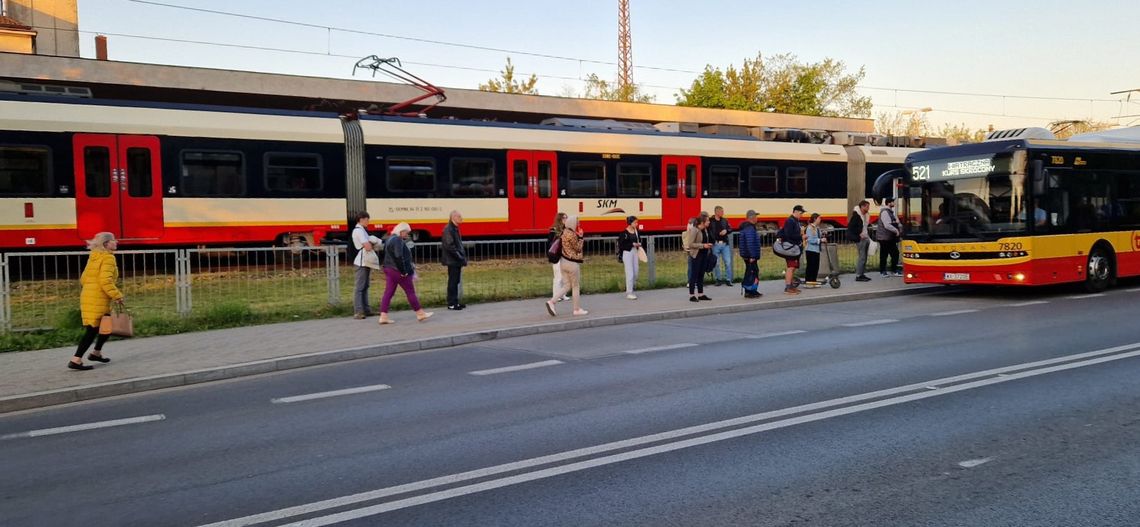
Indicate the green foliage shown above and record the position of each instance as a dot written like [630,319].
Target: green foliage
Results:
[961,133]
[507,83]
[596,88]
[782,84]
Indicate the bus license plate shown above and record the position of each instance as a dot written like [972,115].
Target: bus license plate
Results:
[956,277]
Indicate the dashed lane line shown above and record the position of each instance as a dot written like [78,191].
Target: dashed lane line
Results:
[334,393]
[870,323]
[1029,303]
[520,367]
[777,334]
[952,313]
[661,348]
[86,426]
[1082,297]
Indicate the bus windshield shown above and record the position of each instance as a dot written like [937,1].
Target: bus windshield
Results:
[985,207]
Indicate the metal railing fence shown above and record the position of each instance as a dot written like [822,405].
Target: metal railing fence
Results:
[40,290]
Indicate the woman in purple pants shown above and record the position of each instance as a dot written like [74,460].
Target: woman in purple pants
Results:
[398,270]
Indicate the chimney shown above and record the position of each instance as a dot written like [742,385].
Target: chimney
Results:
[100,47]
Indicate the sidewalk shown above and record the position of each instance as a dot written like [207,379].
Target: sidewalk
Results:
[40,378]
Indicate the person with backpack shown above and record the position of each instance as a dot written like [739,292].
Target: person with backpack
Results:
[857,231]
[554,257]
[887,231]
[790,236]
[750,253]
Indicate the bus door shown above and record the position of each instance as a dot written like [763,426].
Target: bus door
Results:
[680,190]
[532,199]
[118,186]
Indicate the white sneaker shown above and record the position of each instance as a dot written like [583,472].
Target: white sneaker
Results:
[631,296]
[580,312]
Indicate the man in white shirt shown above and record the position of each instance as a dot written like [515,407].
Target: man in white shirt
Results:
[363,244]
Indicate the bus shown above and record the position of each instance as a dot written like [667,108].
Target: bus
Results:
[1022,209]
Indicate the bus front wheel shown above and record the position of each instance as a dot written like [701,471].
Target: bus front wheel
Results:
[1098,273]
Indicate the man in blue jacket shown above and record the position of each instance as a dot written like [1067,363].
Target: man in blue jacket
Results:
[750,252]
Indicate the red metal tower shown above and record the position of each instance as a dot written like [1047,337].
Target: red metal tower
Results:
[625,51]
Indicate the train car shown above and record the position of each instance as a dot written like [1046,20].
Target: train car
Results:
[178,175]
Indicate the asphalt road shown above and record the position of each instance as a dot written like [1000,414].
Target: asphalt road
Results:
[968,408]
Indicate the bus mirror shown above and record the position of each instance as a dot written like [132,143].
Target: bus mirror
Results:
[1038,167]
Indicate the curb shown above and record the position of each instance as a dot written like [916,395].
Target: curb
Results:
[141,384]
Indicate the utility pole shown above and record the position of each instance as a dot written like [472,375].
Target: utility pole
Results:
[625,51]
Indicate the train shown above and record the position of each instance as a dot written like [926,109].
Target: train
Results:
[162,175]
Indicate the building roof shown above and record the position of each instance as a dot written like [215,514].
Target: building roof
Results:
[7,22]
[180,84]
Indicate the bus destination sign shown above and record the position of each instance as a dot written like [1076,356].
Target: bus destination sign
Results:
[957,168]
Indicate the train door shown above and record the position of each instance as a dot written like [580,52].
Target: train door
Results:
[680,190]
[118,186]
[533,196]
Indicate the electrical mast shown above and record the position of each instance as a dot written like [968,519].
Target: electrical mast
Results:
[625,51]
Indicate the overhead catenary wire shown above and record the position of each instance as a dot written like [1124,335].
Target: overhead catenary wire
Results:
[579,60]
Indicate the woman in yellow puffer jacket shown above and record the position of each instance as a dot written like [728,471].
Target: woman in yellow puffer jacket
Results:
[99,291]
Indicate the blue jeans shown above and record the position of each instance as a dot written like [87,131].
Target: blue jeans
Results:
[723,257]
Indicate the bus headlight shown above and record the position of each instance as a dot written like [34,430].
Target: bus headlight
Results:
[1020,277]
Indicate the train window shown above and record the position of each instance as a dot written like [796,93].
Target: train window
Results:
[25,171]
[520,178]
[411,174]
[635,179]
[762,180]
[586,179]
[544,178]
[671,181]
[213,173]
[140,184]
[472,178]
[690,181]
[724,181]
[290,172]
[97,171]
[796,180]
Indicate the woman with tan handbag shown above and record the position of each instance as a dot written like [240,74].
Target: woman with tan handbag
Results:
[95,300]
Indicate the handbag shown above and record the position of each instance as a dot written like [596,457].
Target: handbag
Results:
[710,262]
[872,248]
[786,249]
[554,253]
[371,260]
[641,256]
[118,323]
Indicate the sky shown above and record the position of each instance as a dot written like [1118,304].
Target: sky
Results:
[977,63]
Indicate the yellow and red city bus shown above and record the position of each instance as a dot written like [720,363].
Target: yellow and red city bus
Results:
[1023,208]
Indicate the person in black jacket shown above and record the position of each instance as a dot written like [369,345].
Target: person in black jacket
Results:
[857,232]
[454,257]
[719,231]
[399,270]
[790,233]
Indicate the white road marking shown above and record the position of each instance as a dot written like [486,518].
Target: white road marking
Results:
[951,313]
[87,426]
[1082,297]
[661,348]
[677,445]
[971,463]
[334,393]
[1133,290]
[870,323]
[1029,303]
[333,503]
[520,367]
[777,334]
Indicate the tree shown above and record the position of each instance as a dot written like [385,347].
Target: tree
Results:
[782,84]
[1067,129]
[961,133]
[596,88]
[507,83]
[902,123]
